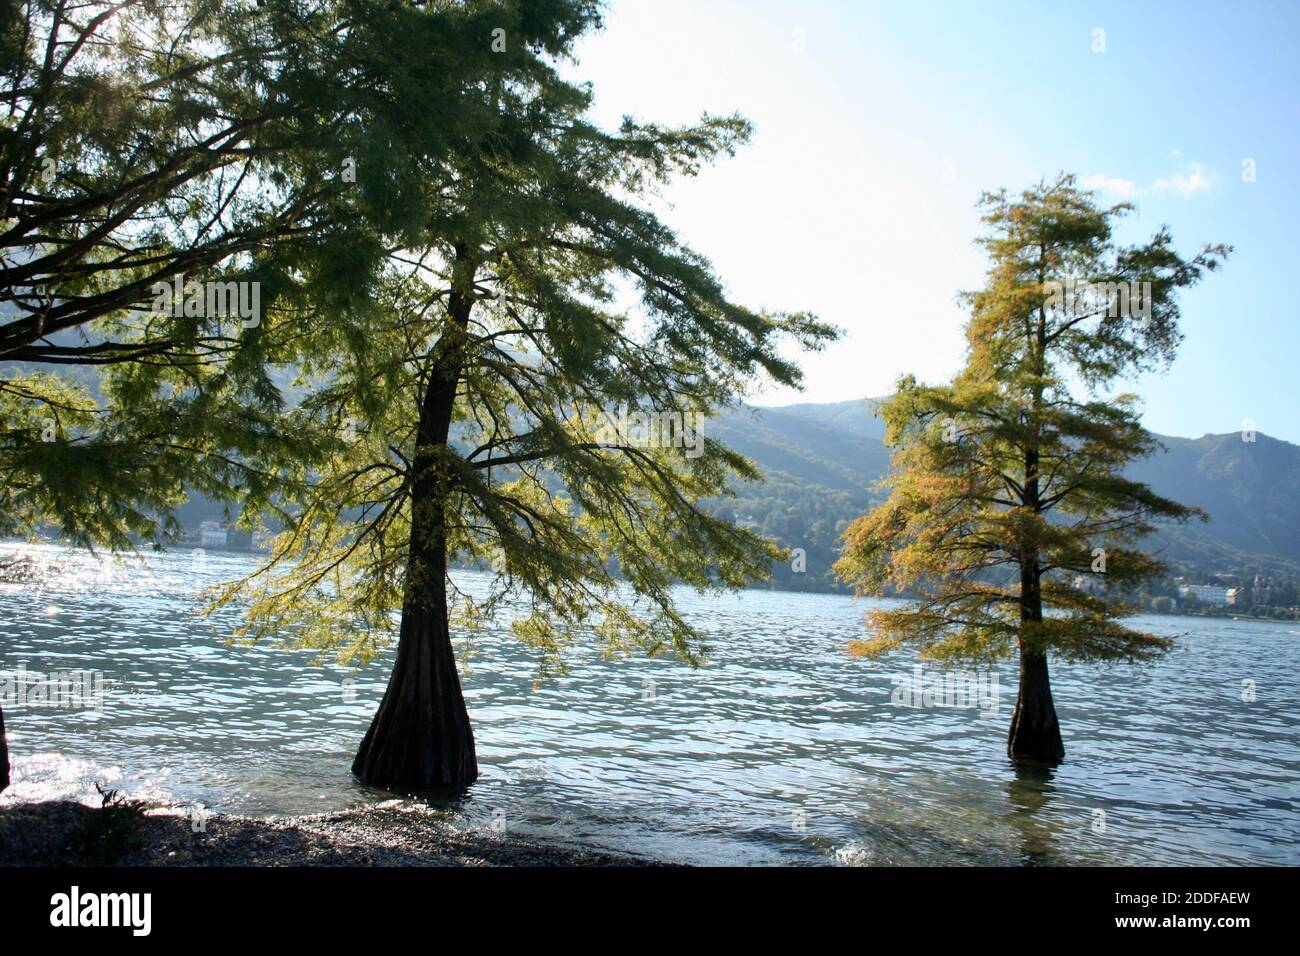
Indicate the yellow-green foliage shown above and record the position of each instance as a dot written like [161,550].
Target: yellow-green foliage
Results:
[1009,519]
[529,272]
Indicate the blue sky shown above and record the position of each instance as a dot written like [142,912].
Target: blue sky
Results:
[878,124]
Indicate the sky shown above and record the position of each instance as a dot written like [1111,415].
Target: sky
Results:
[878,125]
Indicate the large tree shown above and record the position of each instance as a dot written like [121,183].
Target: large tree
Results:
[288,145]
[145,142]
[482,414]
[1010,521]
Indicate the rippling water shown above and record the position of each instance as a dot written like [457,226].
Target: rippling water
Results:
[780,749]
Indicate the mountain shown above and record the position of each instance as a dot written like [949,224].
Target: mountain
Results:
[808,443]
[1250,489]
[856,417]
[823,459]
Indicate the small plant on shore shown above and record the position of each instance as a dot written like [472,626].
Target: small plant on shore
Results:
[109,833]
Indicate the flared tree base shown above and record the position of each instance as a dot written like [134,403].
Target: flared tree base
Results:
[1035,735]
[421,737]
[1038,742]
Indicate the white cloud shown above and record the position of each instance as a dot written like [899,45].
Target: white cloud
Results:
[1186,184]
[1124,188]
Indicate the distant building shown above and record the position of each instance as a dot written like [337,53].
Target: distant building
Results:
[211,535]
[1206,593]
[1239,597]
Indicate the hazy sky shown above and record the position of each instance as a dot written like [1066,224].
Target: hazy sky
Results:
[878,124]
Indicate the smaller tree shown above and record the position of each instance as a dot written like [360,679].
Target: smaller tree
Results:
[1010,519]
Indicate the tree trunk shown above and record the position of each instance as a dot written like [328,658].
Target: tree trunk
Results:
[4,754]
[421,736]
[1035,736]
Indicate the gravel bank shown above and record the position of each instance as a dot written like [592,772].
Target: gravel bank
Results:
[60,833]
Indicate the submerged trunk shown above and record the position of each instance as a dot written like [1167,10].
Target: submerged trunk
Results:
[421,736]
[1035,735]
[4,754]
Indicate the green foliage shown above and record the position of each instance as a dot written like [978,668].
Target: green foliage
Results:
[1008,495]
[1163,605]
[142,142]
[531,289]
[273,143]
[417,206]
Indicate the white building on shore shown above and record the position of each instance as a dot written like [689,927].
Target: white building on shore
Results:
[1206,593]
[211,535]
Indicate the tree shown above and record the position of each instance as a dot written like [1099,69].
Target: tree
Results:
[148,145]
[529,400]
[1007,498]
[142,140]
[146,142]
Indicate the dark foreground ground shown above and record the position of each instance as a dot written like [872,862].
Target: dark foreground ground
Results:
[60,833]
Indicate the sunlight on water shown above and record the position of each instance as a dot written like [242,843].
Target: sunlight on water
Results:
[781,749]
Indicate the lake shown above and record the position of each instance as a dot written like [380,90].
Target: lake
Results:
[781,749]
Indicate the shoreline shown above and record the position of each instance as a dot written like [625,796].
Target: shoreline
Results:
[66,833]
[17,573]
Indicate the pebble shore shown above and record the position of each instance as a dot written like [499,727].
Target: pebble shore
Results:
[54,834]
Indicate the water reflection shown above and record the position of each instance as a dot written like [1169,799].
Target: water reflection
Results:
[1029,793]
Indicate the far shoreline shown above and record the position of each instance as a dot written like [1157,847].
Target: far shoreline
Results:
[762,587]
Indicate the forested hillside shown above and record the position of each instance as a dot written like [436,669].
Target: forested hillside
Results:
[822,461]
